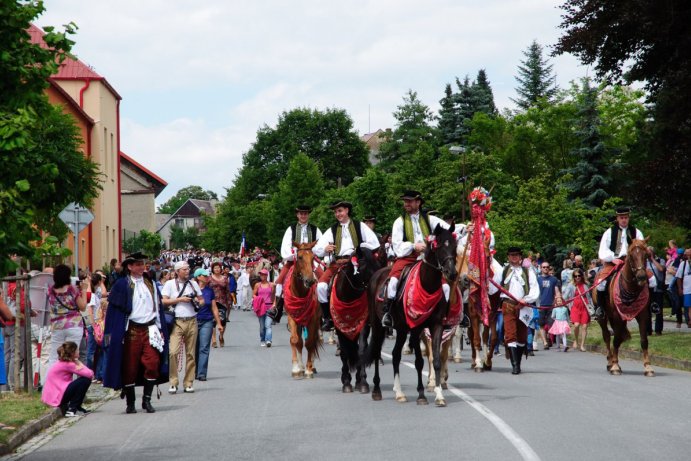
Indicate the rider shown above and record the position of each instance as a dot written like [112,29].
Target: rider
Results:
[613,247]
[408,240]
[340,241]
[300,232]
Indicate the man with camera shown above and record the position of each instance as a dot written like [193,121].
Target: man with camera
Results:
[185,297]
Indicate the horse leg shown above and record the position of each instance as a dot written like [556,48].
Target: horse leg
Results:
[606,337]
[297,371]
[456,345]
[345,375]
[431,379]
[419,365]
[361,381]
[396,361]
[445,349]
[643,331]
[492,344]
[476,341]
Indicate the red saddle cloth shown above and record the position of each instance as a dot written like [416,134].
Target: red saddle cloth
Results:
[418,304]
[349,317]
[455,313]
[300,309]
[628,310]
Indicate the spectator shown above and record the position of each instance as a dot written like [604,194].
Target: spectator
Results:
[263,300]
[672,290]
[579,309]
[549,293]
[220,286]
[566,278]
[560,327]
[593,269]
[684,285]
[657,291]
[9,332]
[5,316]
[59,390]
[65,303]
[207,315]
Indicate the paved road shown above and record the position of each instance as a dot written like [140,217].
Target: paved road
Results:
[564,406]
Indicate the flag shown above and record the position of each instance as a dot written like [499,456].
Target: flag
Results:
[243,246]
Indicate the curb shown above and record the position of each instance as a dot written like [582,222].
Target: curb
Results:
[665,362]
[28,430]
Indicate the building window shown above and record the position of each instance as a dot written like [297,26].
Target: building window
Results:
[180,222]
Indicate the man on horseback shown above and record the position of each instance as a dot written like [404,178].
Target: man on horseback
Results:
[521,284]
[613,247]
[300,232]
[408,238]
[340,242]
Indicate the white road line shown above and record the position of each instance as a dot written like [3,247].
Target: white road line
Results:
[519,443]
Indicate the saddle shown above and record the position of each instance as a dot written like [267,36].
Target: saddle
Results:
[383,290]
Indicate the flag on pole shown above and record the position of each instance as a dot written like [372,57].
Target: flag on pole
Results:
[243,246]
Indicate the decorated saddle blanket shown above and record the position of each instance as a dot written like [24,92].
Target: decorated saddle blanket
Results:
[300,309]
[418,304]
[349,317]
[627,305]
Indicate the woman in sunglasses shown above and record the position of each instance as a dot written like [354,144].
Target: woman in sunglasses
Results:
[579,310]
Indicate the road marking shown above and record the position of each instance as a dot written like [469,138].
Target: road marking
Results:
[519,443]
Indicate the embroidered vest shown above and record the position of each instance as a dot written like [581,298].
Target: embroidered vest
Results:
[409,232]
[355,234]
[615,238]
[311,233]
[524,276]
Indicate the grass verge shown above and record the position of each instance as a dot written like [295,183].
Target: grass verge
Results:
[672,345]
[18,409]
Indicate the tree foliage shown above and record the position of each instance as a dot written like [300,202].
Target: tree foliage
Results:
[184,194]
[147,242]
[536,79]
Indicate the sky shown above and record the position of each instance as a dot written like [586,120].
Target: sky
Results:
[198,79]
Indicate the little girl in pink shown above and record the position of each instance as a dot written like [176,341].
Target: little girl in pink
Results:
[60,390]
[560,327]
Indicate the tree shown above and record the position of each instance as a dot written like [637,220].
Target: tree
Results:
[39,141]
[483,97]
[536,80]
[147,242]
[184,194]
[447,117]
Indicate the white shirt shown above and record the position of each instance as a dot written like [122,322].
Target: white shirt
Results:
[403,248]
[514,278]
[607,255]
[287,244]
[171,290]
[369,240]
[143,305]
[684,273]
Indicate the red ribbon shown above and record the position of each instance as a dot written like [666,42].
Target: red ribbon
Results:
[418,304]
[300,309]
[478,260]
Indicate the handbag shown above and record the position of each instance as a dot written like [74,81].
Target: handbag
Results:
[98,332]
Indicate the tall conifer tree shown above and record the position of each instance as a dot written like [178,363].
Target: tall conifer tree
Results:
[535,78]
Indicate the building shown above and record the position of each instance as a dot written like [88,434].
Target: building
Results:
[190,214]
[374,141]
[139,188]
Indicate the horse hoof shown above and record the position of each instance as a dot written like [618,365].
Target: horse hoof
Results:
[297,375]
[309,375]
[376,396]
[649,374]
[347,389]
[364,389]
[331,341]
[422,401]
[401,399]
[440,403]
[487,367]
[478,369]
[445,386]
[457,360]
[614,372]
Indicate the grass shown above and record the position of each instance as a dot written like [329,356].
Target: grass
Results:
[18,409]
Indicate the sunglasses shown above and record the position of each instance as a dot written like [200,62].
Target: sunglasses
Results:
[578,276]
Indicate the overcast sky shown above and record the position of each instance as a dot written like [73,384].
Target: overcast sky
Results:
[199,78]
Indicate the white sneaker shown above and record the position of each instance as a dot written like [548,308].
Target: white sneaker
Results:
[268,344]
[262,344]
[172,389]
[70,414]
[189,389]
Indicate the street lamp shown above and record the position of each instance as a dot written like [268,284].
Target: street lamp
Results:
[463,178]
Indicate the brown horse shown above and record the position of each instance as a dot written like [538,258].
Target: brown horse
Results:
[625,290]
[300,302]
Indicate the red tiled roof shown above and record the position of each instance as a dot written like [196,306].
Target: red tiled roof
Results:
[70,69]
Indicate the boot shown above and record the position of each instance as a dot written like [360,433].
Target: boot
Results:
[129,395]
[601,300]
[387,320]
[146,398]
[327,323]
[279,310]
[515,355]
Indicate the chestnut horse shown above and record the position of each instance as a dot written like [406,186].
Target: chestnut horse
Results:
[300,303]
[439,259]
[627,298]
[350,313]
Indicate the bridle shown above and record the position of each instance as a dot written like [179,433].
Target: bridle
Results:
[300,275]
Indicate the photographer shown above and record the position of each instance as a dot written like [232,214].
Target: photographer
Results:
[66,302]
[185,295]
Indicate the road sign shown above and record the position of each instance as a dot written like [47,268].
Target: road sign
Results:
[77,218]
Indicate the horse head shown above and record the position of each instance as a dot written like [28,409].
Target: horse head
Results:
[442,249]
[636,257]
[304,259]
[366,264]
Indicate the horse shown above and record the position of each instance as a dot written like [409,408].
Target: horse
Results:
[349,310]
[304,317]
[627,297]
[425,281]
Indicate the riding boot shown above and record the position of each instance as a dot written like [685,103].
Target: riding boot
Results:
[129,395]
[515,356]
[279,310]
[520,350]
[146,399]
[601,302]
[327,323]
[387,320]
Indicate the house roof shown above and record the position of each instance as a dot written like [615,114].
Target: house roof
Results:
[205,206]
[71,102]
[70,69]
[158,183]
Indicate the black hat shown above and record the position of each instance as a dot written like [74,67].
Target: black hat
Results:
[513,250]
[342,203]
[412,195]
[623,210]
[449,216]
[306,208]
[134,257]
[369,217]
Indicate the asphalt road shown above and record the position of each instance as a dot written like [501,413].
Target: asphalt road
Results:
[564,406]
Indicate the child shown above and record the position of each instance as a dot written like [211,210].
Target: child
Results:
[60,390]
[560,327]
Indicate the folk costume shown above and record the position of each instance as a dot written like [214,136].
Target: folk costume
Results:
[522,284]
[614,244]
[135,338]
[346,237]
[407,230]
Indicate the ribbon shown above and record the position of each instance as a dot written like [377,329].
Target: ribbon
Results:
[478,260]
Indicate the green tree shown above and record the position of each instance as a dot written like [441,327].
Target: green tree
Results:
[177,237]
[483,97]
[147,242]
[447,117]
[184,194]
[536,80]
[42,145]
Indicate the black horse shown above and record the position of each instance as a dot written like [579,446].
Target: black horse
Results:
[439,259]
[350,287]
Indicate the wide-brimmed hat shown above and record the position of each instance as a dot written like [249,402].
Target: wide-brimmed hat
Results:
[514,250]
[623,211]
[306,208]
[341,203]
[134,257]
[412,195]
[369,217]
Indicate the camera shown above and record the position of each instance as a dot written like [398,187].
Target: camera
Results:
[195,303]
